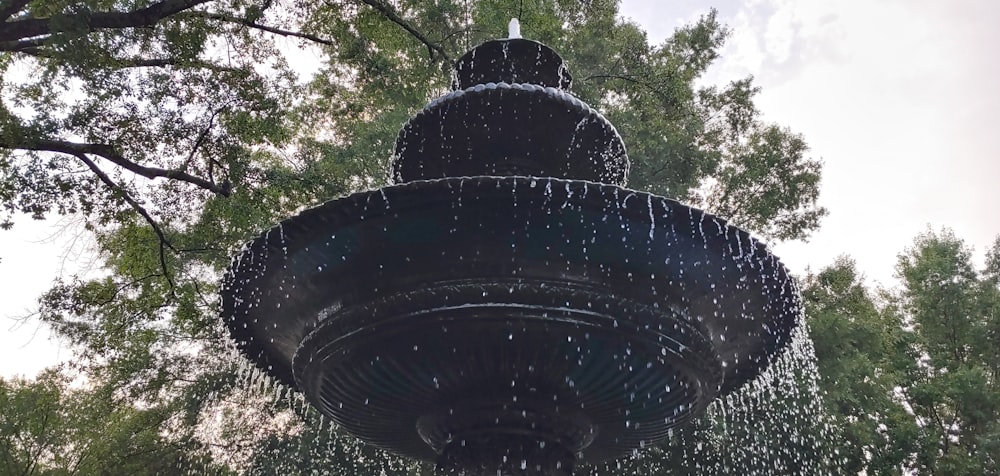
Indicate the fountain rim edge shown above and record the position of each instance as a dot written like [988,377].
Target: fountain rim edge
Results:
[254,352]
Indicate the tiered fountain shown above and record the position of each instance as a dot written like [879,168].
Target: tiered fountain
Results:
[507,307]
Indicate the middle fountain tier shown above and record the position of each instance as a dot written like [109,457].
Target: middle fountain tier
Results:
[507,305]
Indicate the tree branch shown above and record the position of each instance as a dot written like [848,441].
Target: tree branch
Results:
[121,287]
[164,243]
[22,45]
[9,7]
[258,26]
[123,63]
[108,152]
[30,50]
[163,62]
[35,48]
[461,31]
[202,135]
[91,21]
[629,79]
[648,83]
[387,11]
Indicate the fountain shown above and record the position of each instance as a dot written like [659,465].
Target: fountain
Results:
[507,306]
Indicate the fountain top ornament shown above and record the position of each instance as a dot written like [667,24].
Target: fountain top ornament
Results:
[507,307]
[514,29]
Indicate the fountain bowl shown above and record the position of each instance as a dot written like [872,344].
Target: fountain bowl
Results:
[435,316]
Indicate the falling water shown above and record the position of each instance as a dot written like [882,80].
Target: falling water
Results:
[773,426]
[398,324]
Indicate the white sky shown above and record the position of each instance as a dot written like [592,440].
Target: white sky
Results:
[898,97]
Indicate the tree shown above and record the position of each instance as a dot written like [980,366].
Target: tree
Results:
[910,375]
[705,145]
[952,384]
[862,352]
[48,427]
[174,130]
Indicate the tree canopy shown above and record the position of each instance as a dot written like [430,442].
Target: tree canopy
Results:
[911,373]
[48,427]
[174,130]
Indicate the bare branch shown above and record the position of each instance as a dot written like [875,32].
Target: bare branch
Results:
[388,12]
[651,87]
[108,152]
[462,31]
[30,48]
[258,26]
[147,62]
[629,79]
[177,63]
[122,63]
[91,21]
[164,243]
[203,134]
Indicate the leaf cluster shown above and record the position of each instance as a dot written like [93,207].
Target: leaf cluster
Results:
[911,374]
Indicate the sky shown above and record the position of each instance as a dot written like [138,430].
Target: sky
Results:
[897,97]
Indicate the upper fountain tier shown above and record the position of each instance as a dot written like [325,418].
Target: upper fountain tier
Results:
[510,114]
[511,60]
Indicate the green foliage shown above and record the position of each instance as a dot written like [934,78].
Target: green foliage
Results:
[704,145]
[769,185]
[50,426]
[954,388]
[911,375]
[858,348]
[175,136]
[315,448]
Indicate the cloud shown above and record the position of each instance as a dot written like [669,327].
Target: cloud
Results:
[897,97]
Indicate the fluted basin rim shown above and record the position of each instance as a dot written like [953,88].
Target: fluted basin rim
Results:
[367,204]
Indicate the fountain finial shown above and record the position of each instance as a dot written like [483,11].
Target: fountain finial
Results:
[514,29]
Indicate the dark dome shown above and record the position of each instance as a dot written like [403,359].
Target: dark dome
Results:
[494,129]
[513,60]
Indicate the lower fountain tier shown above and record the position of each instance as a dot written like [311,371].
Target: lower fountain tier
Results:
[416,314]
[464,363]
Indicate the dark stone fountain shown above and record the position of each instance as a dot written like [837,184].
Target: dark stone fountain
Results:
[507,307]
